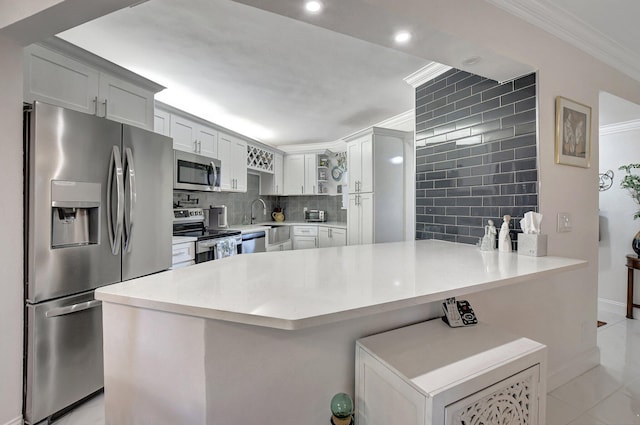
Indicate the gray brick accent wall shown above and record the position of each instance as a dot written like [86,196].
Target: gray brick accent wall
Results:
[476,154]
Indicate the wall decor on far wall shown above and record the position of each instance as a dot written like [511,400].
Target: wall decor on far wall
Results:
[573,133]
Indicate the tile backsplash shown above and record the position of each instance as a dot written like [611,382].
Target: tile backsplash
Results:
[239,204]
[476,156]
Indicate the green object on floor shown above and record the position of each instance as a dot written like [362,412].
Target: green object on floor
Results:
[341,405]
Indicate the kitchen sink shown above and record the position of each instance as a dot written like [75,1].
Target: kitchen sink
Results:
[278,234]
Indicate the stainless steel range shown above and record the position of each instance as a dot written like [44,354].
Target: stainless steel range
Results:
[211,244]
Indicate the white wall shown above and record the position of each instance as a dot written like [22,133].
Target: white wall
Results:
[11,294]
[617,226]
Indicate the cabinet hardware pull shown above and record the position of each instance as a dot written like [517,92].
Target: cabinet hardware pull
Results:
[195,146]
[95,106]
[105,108]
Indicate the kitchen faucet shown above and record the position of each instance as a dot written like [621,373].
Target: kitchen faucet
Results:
[264,208]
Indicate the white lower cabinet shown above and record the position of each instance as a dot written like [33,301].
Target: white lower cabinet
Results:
[305,237]
[284,246]
[184,254]
[331,236]
[360,219]
[431,374]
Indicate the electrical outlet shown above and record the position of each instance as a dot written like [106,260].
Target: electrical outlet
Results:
[564,222]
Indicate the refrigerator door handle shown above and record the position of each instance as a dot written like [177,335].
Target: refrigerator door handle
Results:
[115,232]
[74,308]
[131,175]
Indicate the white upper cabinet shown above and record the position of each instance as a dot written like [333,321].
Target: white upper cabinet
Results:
[273,184]
[232,152]
[190,136]
[62,74]
[300,174]
[360,160]
[58,80]
[278,174]
[162,122]
[125,102]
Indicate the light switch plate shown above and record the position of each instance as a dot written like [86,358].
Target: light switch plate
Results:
[564,222]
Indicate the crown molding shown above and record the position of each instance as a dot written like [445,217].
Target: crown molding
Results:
[426,73]
[566,26]
[619,127]
[398,120]
[335,146]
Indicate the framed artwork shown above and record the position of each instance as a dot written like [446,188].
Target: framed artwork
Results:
[573,133]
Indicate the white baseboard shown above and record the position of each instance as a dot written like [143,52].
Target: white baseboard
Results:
[572,369]
[612,306]
[16,421]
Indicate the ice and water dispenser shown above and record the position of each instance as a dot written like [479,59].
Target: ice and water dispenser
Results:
[75,213]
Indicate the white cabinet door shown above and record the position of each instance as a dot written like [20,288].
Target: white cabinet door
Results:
[224,154]
[360,164]
[207,140]
[52,78]
[353,221]
[125,102]
[278,174]
[366,218]
[183,132]
[162,122]
[304,242]
[366,158]
[338,236]
[360,219]
[294,175]
[324,240]
[239,158]
[310,174]
[232,153]
[354,164]
[331,236]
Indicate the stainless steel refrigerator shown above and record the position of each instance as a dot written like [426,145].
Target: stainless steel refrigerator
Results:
[98,198]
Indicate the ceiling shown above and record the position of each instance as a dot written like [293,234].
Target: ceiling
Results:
[269,71]
[266,69]
[278,80]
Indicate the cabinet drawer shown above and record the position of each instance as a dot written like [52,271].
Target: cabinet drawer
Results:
[183,251]
[305,230]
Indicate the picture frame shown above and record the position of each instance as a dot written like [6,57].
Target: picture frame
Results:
[573,133]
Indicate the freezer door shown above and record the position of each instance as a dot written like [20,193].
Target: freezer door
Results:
[64,354]
[67,244]
[148,215]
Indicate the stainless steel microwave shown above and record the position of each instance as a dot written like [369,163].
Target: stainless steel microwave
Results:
[195,172]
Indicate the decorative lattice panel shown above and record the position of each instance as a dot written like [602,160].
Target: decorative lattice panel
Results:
[259,159]
[509,405]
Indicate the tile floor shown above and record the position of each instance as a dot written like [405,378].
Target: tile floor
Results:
[606,395]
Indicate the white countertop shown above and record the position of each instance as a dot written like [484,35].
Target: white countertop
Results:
[303,288]
[248,228]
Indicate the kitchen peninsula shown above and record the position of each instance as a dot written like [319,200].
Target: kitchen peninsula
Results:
[270,338]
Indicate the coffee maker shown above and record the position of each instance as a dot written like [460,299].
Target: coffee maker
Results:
[217,217]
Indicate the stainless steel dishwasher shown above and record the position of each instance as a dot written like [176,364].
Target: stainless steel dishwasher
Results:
[253,242]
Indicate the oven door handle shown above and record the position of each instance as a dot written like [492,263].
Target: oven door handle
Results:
[74,308]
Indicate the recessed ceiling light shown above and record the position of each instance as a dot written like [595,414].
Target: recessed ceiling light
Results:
[313,6]
[471,61]
[402,37]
